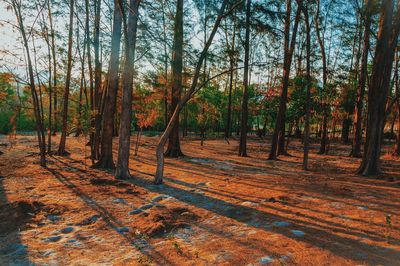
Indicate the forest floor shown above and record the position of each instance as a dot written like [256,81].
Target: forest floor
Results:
[215,208]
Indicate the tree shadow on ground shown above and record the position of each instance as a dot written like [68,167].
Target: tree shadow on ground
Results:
[140,244]
[12,252]
[339,245]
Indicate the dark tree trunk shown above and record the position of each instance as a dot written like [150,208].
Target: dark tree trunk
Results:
[36,105]
[158,178]
[228,126]
[61,148]
[88,42]
[166,59]
[389,27]
[308,97]
[130,30]
[106,153]
[279,130]
[174,148]
[357,137]
[325,105]
[245,100]
[96,120]
[396,84]
[346,130]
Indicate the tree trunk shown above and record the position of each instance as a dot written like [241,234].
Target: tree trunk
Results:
[50,84]
[345,130]
[245,100]
[54,88]
[228,127]
[308,97]
[130,30]
[158,179]
[279,129]
[174,149]
[396,84]
[36,106]
[357,137]
[139,133]
[106,153]
[389,27]
[321,42]
[90,68]
[96,122]
[61,148]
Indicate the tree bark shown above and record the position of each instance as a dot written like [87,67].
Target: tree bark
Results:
[96,122]
[279,129]
[396,84]
[54,88]
[228,127]
[174,148]
[325,106]
[36,105]
[357,137]
[61,148]
[158,179]
[308,97]
[245,100]
[389,27]
[122,171]
[106,153]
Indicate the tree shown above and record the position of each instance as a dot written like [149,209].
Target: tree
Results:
[174,148]
[308,97]
[325,105]
[106,154]
[16,5]
[61,147]
[397,88]
[278,137]
[357,138]
[389,27]
[96,112]
[158,179]
[130,30]
[245,100]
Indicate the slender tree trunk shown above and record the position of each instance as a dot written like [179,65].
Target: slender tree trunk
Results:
[139,133]
[61,148]
[36,105]
[158,179]
[96,122]
[174,149]
[396,84]
[228,128]
[54,88]
[325,106]
[308,97]
[122,171]
[88,42]
[279,130]
[106,153]
[50,85]
[357,138]
[389,27]
[245,100]
[166,59]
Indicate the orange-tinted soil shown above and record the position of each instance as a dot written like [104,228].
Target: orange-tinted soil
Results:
[215,208]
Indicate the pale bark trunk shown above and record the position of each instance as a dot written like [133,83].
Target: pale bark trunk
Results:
[130,30]
[61,148]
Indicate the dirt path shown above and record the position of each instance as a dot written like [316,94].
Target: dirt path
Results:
[214,209]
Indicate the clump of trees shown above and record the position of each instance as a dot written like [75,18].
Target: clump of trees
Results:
[294,68]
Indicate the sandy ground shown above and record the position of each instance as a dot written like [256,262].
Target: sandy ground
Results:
[215,208]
